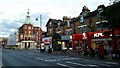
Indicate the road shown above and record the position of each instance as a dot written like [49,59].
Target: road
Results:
[29,59]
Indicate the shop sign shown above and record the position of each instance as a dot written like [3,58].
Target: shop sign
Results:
[84,36]
[59,42]
[47,40]
[68,37]
[98,35]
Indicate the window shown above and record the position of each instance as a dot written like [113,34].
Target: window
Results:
[68,22]
[29,27]
[50,30]
[50,24]
[84,29]
[80,29]
[98,26]
[69,32]
[82,19]
[21,36]
[59,24]
[29,32]
[25,27]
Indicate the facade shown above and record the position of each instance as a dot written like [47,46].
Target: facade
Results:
[86,31]
[55,33]
[12,41]
[29,36]
[3,42]
[1,39]
[47,42]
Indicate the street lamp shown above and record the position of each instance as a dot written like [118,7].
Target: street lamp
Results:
[40,21]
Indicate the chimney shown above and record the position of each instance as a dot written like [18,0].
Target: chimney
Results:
[65,18]
[85,10]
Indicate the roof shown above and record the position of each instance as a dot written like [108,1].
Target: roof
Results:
[54,21]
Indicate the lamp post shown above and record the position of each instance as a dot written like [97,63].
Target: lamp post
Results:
[39,36]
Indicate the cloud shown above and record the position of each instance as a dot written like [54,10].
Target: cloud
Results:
[9,26]
[13,12]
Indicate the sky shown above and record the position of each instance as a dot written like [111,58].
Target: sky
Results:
[13,12]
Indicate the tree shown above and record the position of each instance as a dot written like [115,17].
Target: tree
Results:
[113,1]
[112,16]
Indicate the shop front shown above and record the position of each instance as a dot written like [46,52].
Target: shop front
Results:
[101,43]
[66,42]
[77,43]
[47,43]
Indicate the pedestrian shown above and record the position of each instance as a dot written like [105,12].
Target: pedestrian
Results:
[101,51]
[92,53]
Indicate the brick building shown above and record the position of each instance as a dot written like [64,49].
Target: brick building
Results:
[29,36]
[86,22]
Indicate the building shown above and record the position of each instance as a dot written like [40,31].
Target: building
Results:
[85,31]
[55,33]
[29,36]
[12,41]
[3,42]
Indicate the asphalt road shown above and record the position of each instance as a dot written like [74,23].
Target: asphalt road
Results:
[31,59]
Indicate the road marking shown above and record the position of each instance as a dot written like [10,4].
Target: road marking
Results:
[76,63]
[1,64]
[71,58]
[111,63]
[65,65]
[93,66]
[50,60]
[87,60]
[39,58]
[82,64]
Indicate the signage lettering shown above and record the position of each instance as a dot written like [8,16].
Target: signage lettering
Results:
[98,34]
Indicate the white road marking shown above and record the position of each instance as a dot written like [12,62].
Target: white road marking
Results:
[111,63]
[76,63]
[71,58]
[65,65]
[1,64]
[39,58]
[87,60]
[91,65]
[50,60]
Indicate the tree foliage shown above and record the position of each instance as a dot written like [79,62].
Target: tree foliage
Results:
[114,1]
[112,15]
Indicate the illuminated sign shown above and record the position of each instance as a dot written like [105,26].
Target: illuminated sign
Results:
[84,36]
[59,42]
[98,34]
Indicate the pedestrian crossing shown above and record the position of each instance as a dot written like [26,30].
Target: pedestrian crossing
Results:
[67,62]
[72,62]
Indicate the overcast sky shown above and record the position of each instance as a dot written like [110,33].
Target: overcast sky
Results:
[13,12]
